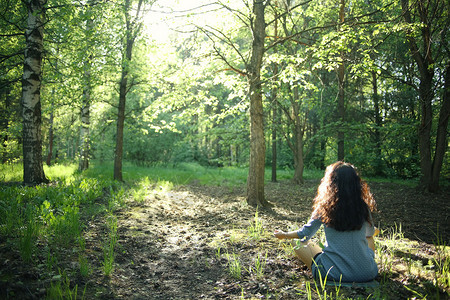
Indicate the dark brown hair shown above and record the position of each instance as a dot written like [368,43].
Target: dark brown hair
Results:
[343,199]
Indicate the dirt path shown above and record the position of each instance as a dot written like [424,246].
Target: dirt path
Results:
[174,245]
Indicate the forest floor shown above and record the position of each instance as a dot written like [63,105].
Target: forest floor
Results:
[205,242]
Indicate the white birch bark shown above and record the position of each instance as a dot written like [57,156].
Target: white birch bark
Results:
[33,171]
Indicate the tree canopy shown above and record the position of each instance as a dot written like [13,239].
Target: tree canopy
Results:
[224,83]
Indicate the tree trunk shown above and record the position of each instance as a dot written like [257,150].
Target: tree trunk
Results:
[50,137]
[85,124]
[255,179]
[274,137]
[33,171]
[298,158]
[121,119]
[323,150]
[441,138]
[51,132]
[5,115]
[376,103]
[341,96]
[299,131]
[424,64]
[131,32]
[86,105]
[426,97]
[275,113]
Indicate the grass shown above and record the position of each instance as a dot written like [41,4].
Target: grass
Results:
[45,223]
[60,288]
[260,264]
[27,241]
[14,172]
[185,173]
[110,245]
[405,182]
[256,230]
[180,174]
[234,265]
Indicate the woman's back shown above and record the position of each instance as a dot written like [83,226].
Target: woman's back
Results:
[347,253]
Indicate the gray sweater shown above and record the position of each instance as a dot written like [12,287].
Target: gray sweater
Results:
[346,253]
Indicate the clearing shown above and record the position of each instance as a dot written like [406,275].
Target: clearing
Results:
[204,242]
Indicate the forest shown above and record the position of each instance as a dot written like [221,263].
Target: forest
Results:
[150,148]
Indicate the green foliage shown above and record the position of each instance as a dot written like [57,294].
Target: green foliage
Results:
[442,262]
[27,240]
[50,218]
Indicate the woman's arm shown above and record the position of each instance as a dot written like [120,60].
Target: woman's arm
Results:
[285,235]
[371,242]
[370,239]
[306,232]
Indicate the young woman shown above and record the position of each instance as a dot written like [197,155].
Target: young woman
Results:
[343,204]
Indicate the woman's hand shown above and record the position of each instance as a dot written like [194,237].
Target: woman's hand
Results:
[279,234]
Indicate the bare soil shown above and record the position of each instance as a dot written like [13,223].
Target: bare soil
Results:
[174,245]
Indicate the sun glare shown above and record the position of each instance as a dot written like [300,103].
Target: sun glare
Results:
[181,17]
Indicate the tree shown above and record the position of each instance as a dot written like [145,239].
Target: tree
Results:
[255,22]
[298,124]
[255,179]
[429,15]
[275,121]
[33,171]
[133,27]
[87,94]
[294,73]
[341,96]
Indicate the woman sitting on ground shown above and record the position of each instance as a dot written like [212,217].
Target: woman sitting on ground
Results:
[343,204]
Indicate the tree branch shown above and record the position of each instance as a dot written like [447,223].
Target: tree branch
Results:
[226,40]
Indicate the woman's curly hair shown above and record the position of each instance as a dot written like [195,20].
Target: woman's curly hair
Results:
[343,199]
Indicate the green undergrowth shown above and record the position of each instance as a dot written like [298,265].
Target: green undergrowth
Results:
[179,174]
[188,173]
[45,226]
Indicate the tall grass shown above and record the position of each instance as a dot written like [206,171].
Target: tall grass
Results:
[27,241]
[45,222]
[442,261]
[234,265]
[110,245]
[256,230]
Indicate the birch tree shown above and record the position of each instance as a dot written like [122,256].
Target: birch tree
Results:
[33,171]
[87,92]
